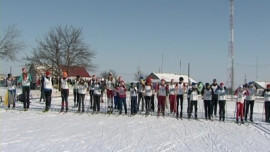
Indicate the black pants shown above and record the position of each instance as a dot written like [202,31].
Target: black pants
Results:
[222,104]
[147,103]
[193,103]
[153,103]
[267,111]
[140,97]
[188,105]
[48,98]
[249,103]
[91,92]
[207,109]
[181,98]
[81,102]
[64,95]
[42,95]
[96,106]
[76,99]
[26,100]
[122,101]
[214,104]
[133,104]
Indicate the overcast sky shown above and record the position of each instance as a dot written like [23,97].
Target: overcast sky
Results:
[127,34]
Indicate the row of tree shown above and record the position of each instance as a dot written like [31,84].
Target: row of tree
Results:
[60,48]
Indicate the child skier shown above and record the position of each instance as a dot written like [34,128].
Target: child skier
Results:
[252,90]
[47,81]
[97,95]
[82,88]
[266,95]
[214,86]
[122,96]
[241,95]
[64,91]
[110,87]
[161,94]
[193,93]
[75,90]
[133,97]
[147,95]
[11,90]
[140,86]
[91,88]
[25,80]
[172,97]
[221,92]
[207,94]
[180,89]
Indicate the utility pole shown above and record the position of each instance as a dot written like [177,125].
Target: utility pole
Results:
[230,79]
[257,60]
[162,64]
[180,67]
[188,73]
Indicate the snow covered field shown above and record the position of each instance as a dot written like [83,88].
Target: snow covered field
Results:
[34,131]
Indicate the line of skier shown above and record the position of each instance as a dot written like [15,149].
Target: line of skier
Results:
[142,95]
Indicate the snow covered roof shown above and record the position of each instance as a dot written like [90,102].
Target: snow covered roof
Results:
[168,76]
[261,84]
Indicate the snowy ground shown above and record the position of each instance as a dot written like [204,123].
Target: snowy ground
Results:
[34,131]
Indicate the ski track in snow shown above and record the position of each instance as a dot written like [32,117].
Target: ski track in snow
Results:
[35,131]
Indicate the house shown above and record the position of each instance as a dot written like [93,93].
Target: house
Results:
[168,76]
[76,70]
[37,71]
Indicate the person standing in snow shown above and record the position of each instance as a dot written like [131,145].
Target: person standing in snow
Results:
[42,97]
[133,96]
[193,93]
[252,90]
[25,80]
[221,91]
[214,86]
[75,90]
[64,91]
[148,91]
[47,81]
[207,94]
[172,97]
[140,86]
[97,95]
[241,95]
[110,87]
[82,89]
[161,95]
[11,90]
[180,90]
[122,96]
[92,88]
[266,95]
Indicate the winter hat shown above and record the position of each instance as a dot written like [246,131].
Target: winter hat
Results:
[222,84]
[194,83]
[149,80]
[268,86]
[65,75]
[141,77]
[48,73]
[9,75]
[207,84]
[181,78]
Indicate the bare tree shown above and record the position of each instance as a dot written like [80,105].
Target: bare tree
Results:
[105,74]
[62,48]
[10,43]
[139,74]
